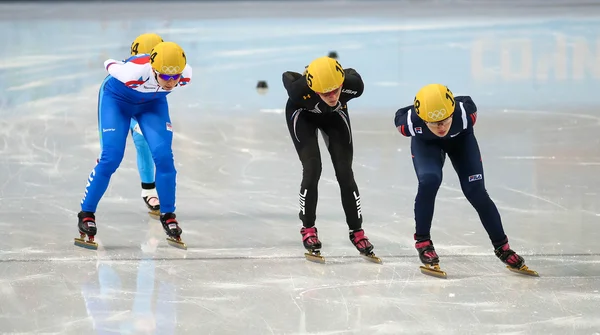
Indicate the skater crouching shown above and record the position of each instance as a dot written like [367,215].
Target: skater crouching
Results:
[318,101]
[137,88]
[441,124]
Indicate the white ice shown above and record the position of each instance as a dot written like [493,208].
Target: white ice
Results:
[238,174]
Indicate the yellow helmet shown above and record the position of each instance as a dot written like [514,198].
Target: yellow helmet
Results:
[168,58]
[434,103]
[324,75]
[144,43]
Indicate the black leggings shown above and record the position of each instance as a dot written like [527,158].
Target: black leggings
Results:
[336,130]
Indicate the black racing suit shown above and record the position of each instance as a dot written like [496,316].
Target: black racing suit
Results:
[305,112]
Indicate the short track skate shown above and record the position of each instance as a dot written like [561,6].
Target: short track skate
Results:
[176,242]
[364,247]
[88,244]
[154,214]
[314,256]
[151,201]
[171,227]
[524,270]
[87,227]
[513,261]
[433,270]
[429,258]
[372,258]
[311,243]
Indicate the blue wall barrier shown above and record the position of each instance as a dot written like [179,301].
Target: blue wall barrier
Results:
[524,63]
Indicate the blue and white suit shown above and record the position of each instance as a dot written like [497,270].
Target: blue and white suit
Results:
[132,92]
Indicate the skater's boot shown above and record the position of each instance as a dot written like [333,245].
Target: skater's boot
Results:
[509,257]
[312,244]
[150,198]
[310,239]
[427,253]
[429,258]
[87,227]
[171,227]
[513,261]
[362,244]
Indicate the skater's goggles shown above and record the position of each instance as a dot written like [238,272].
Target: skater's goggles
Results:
[441,123]
[167,77]
[331,93]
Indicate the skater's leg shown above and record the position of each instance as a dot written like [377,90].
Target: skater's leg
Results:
[466,159]
[303,131]
[464,153]
[100,95]
[302,126]
[155,124]
[145,163]
[114,124]
[87,220]
[145,166]
[428,160]
[337,133]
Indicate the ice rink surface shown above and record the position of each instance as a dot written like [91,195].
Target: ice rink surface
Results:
[238,174]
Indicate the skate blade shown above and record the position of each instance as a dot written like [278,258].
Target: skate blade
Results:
[434,271]
[80,242]
[524,270]
[372,258]
[154,214]
[314,256]
[176,243]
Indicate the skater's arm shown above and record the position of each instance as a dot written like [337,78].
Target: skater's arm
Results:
[402,122]
[353,86]
[468,107]
[112,63]
[298,90]
[129,71]
[295,84]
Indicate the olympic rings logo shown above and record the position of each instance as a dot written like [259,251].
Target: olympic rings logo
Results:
[437,115]
[170,70]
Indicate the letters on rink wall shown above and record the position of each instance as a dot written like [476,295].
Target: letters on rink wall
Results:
[550,64]
[527,63]
[563,58]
